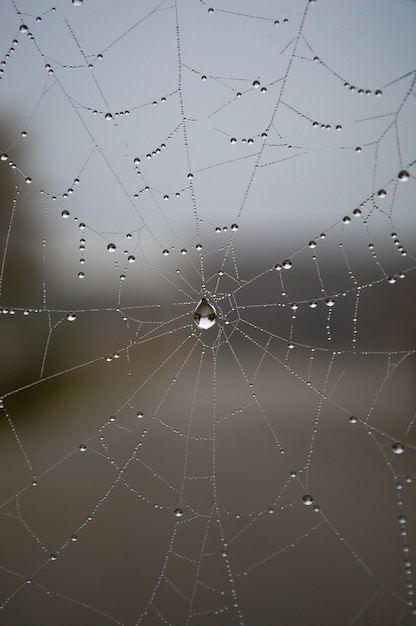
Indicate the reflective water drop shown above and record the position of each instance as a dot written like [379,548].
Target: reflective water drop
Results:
[165,252]
[307,499]
[234,227]
[77,3]
[198,246]
[353,419]
[53,557]
[71,317]
[140,414]
[398,447]
[178,512]
[403,175]
[205,315]
[313,304]
[256,83]
[65,214]
[381,193]
[131,259]
[183,251]
[391,280]
[312,244]
[233,140]
[23,28]
[346,219]
[111,247]
[3,157]
[28,180]
[287,264]
[108,116]
[329,302]
[378,93]
[82,447]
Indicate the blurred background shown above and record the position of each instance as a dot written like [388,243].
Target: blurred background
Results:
[260,154]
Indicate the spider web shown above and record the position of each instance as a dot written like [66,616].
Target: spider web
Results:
[260,155]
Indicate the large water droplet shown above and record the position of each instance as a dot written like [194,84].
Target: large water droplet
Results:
[307,499]
[205,315]
[398,448]
[403,175]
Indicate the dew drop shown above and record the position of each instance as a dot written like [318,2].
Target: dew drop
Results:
[23,28]
[131,259]
[3,157]
[198,246]
[205,315]
[398,448]
[178,512]
[346,219]
[165,252]
[329,302]
[312,244]
[381,193]
[234,227]
[53,557]
[77,3]
[233,140]
[403,175]
[313,304]
[28,180]
[140,414]
[111,247]
[353,419]
[358,149]
[378,93]
[287,264]
[81,275]
[108,116]
[307,499]
[71,317]
[82,447]
[256,83]
[65,214]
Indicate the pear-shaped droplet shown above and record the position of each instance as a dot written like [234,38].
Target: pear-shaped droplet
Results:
[398,448]
[205,315]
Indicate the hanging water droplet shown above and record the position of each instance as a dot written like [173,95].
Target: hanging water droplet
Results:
[313,304]
[140,414]
[165,252]
[234,227]
[307,499]
[77,3]
[233,140]
[82,447]
[131,259]
[205,315]
[381,193]
[287,264]
[23,28]
[71,317]
[329,302]
[111,247]
[178,512]
[256,83]
[108,116]
[398,448]
[198,246]
[65,214]
[28,180]
[353,419]
[403,175]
